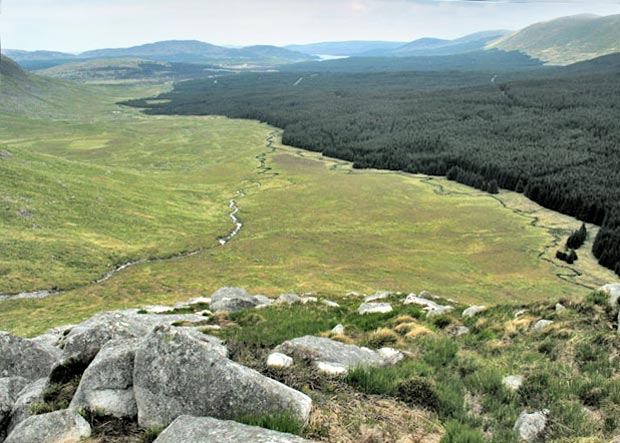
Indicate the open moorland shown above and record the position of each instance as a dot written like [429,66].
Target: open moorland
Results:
[83,197]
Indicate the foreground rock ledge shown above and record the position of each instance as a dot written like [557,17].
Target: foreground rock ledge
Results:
[186,429]
[176,375]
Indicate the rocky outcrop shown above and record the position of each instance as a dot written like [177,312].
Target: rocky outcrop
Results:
[33,393]
[85,340]
[175,374]
[20,357]
[374,308]
[530,427]
[107,383]
[186,429]
[65,426]
[232,300]
[335,357]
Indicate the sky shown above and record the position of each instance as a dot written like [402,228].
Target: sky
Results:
[80,25]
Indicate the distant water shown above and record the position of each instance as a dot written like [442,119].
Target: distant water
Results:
[323,57]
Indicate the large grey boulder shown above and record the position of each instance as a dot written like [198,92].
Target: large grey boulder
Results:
[20,357]
[186,429]
[107,383]
[65,426]
[175,375]
[334,357]
[232,300]
[530,427]
[32,393]
[613,290]
[85,340]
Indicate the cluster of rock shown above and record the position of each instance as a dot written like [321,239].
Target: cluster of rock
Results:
[160,368]
[145,366]
[371,304]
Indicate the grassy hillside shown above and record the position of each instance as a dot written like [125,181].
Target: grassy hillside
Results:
[191,51]
[24,93]
[433,46]
[570,367]
[566,40]
[129,70]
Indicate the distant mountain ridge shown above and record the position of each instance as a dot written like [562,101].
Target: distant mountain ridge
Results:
[561,41]
[434,46]
[172,51]
[566,40]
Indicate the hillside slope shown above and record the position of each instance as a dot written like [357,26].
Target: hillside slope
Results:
[24,93]
[566,40]
[434,46]
[127,70]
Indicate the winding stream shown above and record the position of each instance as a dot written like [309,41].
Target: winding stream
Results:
[238,226]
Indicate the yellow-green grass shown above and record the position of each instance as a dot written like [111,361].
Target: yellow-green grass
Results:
[314,224]
[95,195]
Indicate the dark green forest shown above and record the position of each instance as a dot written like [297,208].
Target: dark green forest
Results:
[553,135]
[492,61]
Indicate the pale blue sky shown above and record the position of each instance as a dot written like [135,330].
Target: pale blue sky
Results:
[78,25]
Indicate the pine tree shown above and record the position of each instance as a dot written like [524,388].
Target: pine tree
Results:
[577,238]
[492,187]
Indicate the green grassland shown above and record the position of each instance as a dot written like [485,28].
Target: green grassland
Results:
[123,186]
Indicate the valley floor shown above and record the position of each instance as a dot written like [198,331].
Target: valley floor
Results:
[84,193]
